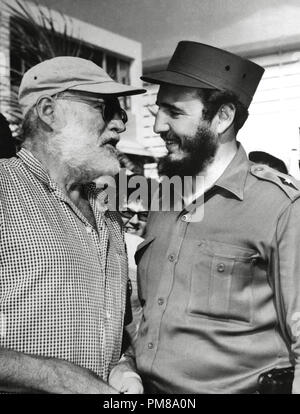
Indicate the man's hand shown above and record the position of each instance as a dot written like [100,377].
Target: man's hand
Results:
[125,380]
[21,372]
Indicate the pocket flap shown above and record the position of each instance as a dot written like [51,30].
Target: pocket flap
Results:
[228,251]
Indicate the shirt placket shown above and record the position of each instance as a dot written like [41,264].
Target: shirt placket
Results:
[164,288]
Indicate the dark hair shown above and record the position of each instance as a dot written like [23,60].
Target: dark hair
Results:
[213,99]
[261,157]
[7,142]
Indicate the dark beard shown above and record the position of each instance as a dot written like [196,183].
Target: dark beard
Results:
[199,151]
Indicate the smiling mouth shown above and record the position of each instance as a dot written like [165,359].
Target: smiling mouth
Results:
[170,140]
[172,145]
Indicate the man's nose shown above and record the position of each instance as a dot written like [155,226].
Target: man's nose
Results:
[116,124]
[161,124]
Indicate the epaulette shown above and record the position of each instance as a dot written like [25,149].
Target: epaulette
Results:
[288,184]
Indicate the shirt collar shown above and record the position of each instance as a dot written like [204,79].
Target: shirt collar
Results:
[35,166]
[234,177]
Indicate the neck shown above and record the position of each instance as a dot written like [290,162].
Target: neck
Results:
[224,155]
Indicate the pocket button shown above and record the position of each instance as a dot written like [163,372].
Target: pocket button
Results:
[160,301]
[172,257]
[220,267]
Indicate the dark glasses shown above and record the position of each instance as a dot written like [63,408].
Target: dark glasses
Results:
[109,107]
[128,213]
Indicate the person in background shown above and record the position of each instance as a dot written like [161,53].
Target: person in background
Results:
[7,144]
[134,213]
[63,261]
[220,290]
[261,157]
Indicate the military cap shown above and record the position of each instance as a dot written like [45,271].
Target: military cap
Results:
[262,157]
[197,65]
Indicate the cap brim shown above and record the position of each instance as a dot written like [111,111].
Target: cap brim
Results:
[109,88]
[175,78]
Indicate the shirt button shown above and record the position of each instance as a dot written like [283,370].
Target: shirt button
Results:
[220,267]
[184,218]
[150,345]
[160,301]
[171,257]
[108,315]
[89,229]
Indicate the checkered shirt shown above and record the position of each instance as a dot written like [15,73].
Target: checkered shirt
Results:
[62,282]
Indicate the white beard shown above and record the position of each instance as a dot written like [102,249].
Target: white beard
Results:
[83,163]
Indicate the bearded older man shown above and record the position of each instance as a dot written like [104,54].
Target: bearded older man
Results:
[63,262]
[220,291]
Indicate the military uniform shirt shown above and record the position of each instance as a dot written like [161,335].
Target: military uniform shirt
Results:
[207,288]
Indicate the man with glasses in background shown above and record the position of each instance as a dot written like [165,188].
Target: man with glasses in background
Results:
[63,262]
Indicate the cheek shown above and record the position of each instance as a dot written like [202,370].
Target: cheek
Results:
[90,134]
[184,128]
[87,122]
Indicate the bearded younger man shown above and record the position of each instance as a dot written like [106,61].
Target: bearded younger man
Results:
[221,294]
[63,263]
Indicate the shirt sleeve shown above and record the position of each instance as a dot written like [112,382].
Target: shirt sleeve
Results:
[286,275]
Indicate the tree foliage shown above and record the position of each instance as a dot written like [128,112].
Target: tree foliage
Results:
[35,34]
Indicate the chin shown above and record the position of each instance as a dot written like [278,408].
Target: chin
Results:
[91,171]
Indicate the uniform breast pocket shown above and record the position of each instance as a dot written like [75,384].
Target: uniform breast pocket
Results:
[142,259]
[221,281]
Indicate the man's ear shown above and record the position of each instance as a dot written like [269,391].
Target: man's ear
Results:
[45,109]
[225,117]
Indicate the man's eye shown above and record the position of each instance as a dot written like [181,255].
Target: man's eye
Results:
[174,114]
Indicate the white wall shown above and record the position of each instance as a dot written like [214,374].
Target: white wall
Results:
[274,121]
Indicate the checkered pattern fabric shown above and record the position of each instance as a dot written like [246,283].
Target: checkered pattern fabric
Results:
[62,282]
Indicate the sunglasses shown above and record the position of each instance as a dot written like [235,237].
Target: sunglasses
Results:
[128,214]
[109,107]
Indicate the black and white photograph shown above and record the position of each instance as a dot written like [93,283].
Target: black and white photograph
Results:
[149,199]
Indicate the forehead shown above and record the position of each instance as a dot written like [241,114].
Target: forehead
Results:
[174,93]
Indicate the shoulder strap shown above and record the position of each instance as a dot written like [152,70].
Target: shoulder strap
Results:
[289,185]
